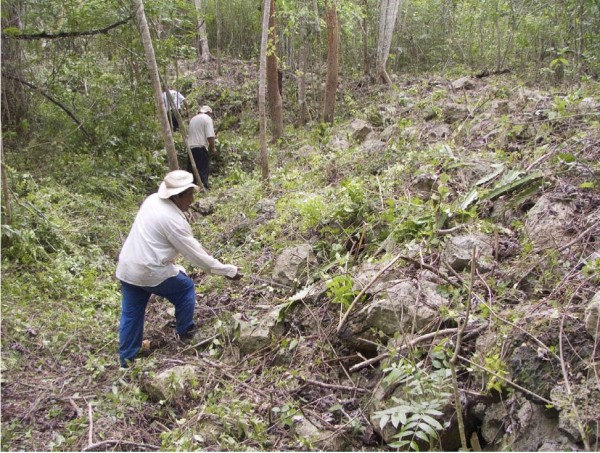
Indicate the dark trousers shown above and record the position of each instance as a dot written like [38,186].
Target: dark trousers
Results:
[200,155]
[174,121]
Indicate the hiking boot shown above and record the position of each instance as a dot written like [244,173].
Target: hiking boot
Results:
[188,337]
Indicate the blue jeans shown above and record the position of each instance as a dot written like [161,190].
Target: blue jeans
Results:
[179,290]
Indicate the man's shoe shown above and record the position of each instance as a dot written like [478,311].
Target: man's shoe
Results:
[188,337]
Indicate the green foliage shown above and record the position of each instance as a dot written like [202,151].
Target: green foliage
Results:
[418,400]
[340,289]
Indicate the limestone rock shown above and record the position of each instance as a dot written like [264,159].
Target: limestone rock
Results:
[592,316]
[547,221]
[359,129]
[464,83]
[258,332]
[173,383]
[294,264]
[459,251]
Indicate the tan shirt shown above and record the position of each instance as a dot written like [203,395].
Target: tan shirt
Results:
[159,235]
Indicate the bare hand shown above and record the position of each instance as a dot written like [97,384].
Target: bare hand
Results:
[237,276]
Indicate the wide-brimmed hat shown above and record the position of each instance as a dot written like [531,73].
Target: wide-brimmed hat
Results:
[205,109]
[176,182]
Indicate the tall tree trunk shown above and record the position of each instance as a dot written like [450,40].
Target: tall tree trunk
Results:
[303,113]
[218,20]
[367,62]
[275,102]
[387,22]
[15,101]
[262,76]
[202,38]
[332,63]
[138,7]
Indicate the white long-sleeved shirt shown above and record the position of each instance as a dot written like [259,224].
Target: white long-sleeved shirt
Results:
[177,98]
[159,235]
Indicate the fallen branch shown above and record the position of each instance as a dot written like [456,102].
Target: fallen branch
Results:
[333,386]
[104,443]
[509,382]
[233,378]
[91,418]
[412,343]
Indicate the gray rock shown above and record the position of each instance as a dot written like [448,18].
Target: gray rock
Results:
[518,425]
[459,251]
[547,220]
[172,384]
[258,332]
[294,264]
[464,83]
[359,129]
[592,316]
[454,112]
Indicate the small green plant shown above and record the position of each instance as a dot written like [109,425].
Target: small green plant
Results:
[340,289]
[419,398]
[286,413]
[494,363]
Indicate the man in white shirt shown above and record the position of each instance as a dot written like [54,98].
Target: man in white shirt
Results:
[160,233]
[178,102]
[202,140]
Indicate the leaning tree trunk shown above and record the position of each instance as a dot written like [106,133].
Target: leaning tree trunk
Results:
[275,102]
[332,63]
[387,22]
[202,38]
[262,75]
[138,6]
[5,190]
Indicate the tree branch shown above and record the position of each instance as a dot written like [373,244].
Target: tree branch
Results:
[51,99]
[65,34]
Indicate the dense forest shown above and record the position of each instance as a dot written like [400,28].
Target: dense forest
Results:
[410,188]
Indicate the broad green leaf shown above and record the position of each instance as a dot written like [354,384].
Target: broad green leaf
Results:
[513,185]
[428,429]
[421,435]
[383,421]
[469,199]
[432,421]
[499,169]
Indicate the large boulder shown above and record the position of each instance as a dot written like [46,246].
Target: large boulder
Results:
[579,410]
[395,306]
[454,112]
[464,83]
[517,424]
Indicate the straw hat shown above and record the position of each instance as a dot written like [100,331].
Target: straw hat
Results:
[176,182]
[205,109]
